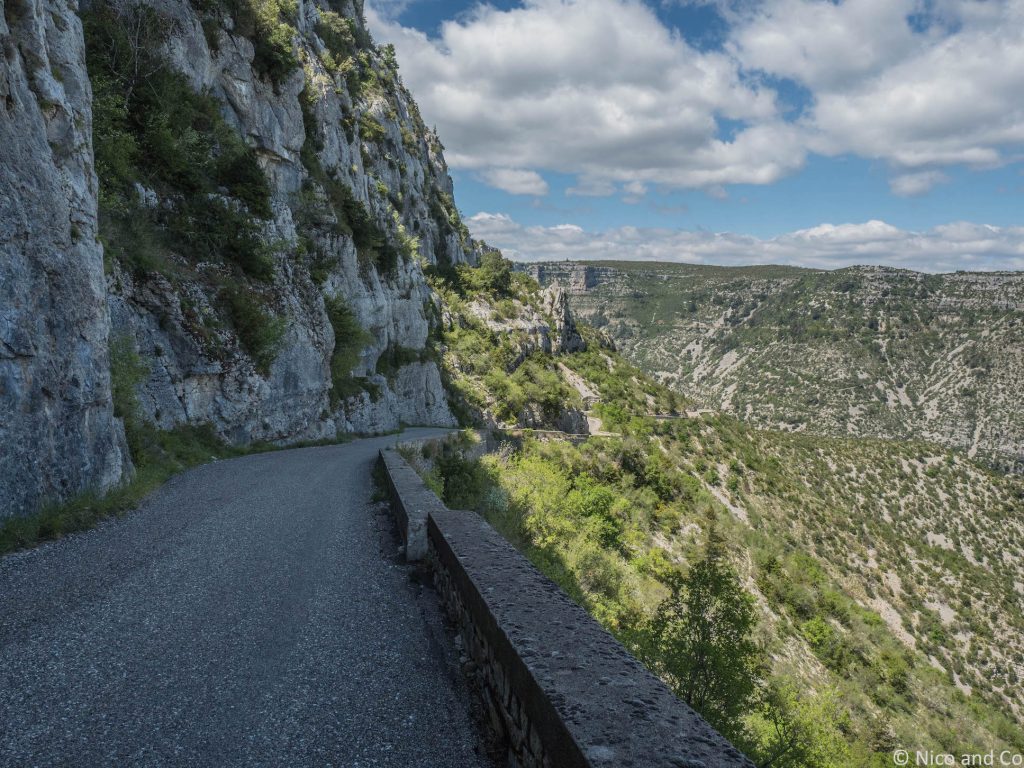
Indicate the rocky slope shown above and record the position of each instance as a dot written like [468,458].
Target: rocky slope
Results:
[887,574]
[312,130]
[500,346]
[268,199]
[856,352]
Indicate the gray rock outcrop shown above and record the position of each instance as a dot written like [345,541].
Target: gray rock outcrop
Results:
[567,337]
[58,434]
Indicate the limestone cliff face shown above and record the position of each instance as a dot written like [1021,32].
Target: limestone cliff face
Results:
[371,142]
[58,434]
[334,134]
[567,336]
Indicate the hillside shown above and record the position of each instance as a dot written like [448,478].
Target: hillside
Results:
[858,352]
[886,576]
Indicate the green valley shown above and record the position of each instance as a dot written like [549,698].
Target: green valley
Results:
[866,593]
[865,351]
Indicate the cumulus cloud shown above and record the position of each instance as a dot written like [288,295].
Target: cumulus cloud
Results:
[514,181]
[604,91]
[596,88]
[956,246]
[942,89]
[588,187]
[824,45]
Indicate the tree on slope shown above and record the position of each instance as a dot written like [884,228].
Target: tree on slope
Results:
[702,640]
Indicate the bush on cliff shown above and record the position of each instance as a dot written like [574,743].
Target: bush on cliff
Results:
[350,338]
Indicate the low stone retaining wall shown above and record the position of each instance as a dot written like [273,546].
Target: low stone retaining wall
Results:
[559,689]
[411,502]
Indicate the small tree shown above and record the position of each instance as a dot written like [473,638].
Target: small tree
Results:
[703,644]
[495,273]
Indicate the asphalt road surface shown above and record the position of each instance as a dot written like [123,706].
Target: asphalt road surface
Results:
[251,612]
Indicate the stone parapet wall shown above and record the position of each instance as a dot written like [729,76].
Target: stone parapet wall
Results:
[559,689]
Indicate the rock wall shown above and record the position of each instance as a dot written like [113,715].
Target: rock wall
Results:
[58,434]
[188,383]
[328,125]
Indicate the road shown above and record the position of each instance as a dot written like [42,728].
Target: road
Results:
[251,612]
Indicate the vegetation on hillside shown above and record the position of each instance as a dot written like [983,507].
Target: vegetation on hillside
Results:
[855,587]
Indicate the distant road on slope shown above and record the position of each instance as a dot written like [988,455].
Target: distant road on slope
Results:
[251,612]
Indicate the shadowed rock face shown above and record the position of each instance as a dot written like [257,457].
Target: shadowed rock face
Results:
[58,434]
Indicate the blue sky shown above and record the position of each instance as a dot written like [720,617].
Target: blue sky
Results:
[728,131]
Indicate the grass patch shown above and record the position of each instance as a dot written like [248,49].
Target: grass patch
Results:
[178,450]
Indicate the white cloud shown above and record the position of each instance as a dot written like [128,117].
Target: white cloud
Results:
[596,88]
[821,44]
[918,99]
[873,231]
[602,90]
[960,245]
[634,192]
[915,184]
[589,187]
[514,181]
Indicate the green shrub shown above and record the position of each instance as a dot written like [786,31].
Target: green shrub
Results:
[133,237]
[338,34]
[215,229]
[370,129]
[321,261]
[410,141]
[350,216]
[127,372]
[395,357]
[828,644]
[270,26]
[443,211]
[701,639]
[350,338]
[259,331]
[464,482]
[493,275]
[114,143]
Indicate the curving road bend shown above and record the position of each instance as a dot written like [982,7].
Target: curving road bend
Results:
[251,612]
